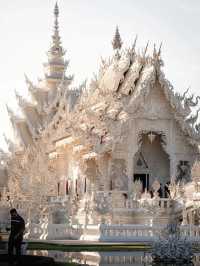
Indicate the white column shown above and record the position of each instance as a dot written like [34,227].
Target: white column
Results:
[171,151]
[130,169]
[132,148]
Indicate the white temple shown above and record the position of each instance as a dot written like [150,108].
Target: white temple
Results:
[123,150]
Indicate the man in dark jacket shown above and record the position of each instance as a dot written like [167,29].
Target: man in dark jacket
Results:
[16,233]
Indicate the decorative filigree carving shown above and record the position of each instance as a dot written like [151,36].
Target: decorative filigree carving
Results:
[119,175]
[192,119]
[183,171]
[103,202]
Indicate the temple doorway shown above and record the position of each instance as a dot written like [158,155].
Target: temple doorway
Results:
[151,162]
[144,178]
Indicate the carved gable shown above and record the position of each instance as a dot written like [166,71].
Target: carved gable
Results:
[156,106]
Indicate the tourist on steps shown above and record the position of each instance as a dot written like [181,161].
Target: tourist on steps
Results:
[16,234]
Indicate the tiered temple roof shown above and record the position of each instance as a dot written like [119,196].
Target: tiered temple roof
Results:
[119,91]
[36,114]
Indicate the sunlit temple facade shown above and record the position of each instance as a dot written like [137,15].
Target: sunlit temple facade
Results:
[121,150]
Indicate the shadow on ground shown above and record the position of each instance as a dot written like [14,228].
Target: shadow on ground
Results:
[27,260]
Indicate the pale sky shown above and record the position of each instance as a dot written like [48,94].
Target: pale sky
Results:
[87,28]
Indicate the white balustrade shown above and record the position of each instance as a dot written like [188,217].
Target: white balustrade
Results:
[191,231]
[161,203]
[142,233]
[58,199]
[118,232]
[44,231]
[129,232]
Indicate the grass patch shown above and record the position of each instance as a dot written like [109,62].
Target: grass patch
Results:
[79,248]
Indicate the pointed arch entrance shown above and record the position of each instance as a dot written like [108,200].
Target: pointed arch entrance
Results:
[142,170]
[151,162]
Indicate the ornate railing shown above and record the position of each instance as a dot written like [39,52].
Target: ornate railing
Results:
[161,203]
[58,199]
[105,232]
[129,232]
[134,232]
[53,231]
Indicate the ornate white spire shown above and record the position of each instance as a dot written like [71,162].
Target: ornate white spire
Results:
[56,47]
[55,67]
[117,42]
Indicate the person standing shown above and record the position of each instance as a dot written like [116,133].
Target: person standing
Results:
[16,234]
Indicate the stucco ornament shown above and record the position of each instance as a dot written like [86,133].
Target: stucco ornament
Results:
[176,189]
[156,186]
[102,202]
[114,74]
[183,172]
[136,189]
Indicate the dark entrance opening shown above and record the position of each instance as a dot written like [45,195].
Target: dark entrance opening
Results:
[144,178]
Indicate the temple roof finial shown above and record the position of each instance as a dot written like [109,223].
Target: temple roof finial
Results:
[155,54]
[157,60]
[56,10]
[146,48]
[27,80]
[159,51]
[117,42]
[134,43]
[56,44]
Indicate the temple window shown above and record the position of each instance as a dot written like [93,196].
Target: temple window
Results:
[183,162]
[58,188]
[67,188]
[111,185]
[85,186]
[76,187]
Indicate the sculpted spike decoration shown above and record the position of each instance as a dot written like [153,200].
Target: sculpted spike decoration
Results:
[27,79]
[157,61]
[192,120]
[184,94]
[13,117]
[181,97]
[10,144]
[30,85]
[159,51]
[21,101]
[192,103]
[145,50]
[10,111]
[197,127]
[191,98]
[188,103]
[197,99]
[154,51]
[134,45]
[135,41]
[131,50]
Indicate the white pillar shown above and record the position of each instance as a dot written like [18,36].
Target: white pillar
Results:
[171,151]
